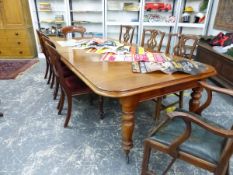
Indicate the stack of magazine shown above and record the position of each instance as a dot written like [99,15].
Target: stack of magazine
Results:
[169,67]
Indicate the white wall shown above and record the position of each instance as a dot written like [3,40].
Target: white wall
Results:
[211,30]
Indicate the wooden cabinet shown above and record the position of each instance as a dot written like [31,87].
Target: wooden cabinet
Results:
[222,63]
[16,32]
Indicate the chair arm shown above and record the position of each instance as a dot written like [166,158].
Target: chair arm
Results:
[216,89]
[209,89]
[191,118]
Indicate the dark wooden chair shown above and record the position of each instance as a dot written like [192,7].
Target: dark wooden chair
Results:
[73,29]
[189,137]
[70,85]
[48,69]
[155,40]
[184,47]
[126,34]
[55,78]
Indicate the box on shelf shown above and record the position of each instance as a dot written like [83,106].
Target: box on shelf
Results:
[114,5]
[59,18]
[45,6]
[131,6]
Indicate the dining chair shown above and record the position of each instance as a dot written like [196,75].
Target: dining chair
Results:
[184,47]
[126,34]
[66,70]
[70,86]
[48,67]
[73,29]
[152,40]
[189,137]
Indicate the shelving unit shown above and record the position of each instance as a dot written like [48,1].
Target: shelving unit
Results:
[50,14]
[88,13]
[102,18]
[200,28]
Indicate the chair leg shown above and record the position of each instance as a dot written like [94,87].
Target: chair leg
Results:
[101,104]
[53,80]
[228,170]
[169,166]
[50,76]
[61,103]
[69,99]
[146,158]
[158,108]
[55,92]
[46,70]
[91,99]
[181,99]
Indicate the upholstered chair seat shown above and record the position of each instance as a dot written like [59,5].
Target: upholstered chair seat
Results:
[193,138]
[76,85]
[202,143]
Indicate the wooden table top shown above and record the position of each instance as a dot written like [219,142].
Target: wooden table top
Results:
[116,79]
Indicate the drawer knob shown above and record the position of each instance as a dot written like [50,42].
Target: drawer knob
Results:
[18,43]
[20,52]
[16,33]
[0,52]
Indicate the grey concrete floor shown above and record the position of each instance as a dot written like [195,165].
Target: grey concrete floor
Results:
[34,142]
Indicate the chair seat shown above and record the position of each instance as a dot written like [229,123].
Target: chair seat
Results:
[67,72]
[76,86]
[202,143]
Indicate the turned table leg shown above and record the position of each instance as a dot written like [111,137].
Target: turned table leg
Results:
[128,105]
[194,102]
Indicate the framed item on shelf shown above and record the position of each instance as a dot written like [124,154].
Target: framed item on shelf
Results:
[224,17]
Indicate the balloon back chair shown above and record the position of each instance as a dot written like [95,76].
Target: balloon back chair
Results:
[70,86]
[48,70]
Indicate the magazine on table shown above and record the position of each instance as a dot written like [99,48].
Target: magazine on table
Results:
[169,67]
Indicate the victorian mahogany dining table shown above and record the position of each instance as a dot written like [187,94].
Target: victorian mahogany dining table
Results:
[116,80]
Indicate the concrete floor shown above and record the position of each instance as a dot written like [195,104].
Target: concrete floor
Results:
[34,142]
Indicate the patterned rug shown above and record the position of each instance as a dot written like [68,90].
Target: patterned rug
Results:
[9,69]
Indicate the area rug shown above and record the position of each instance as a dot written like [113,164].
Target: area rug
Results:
[9,69]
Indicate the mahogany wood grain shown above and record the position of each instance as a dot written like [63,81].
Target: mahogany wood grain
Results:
[116,80]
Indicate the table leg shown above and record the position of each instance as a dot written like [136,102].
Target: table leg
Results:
[128,105]
[194,102]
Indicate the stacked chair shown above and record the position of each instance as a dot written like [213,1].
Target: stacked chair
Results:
[193,139]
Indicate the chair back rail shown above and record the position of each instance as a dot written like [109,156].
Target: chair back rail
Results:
[155,40]
[126,34]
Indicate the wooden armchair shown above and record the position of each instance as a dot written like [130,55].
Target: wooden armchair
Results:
[189,137]
[184,47]
[73,29]
[155,40]
[126,34]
